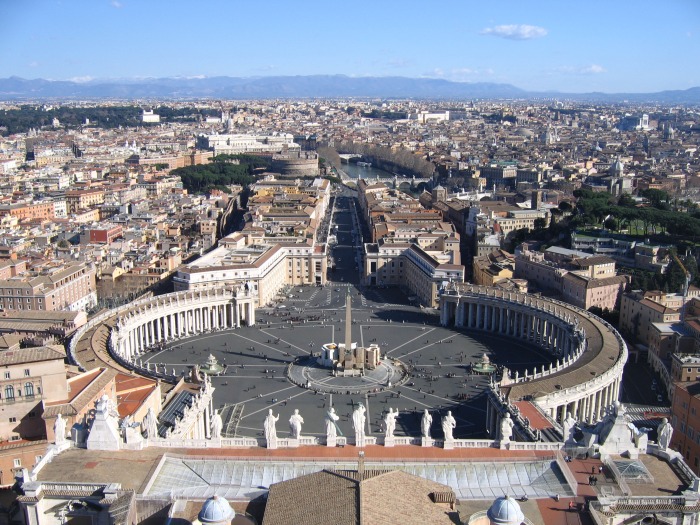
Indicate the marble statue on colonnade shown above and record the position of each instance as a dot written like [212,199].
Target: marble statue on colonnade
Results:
[358,424]
[568,428]
[448,425]
[664,432]
[331,427]
[507,425]
[295,423]
[426,423]
[271,430]
[217,425]
[59,430]
[390,422]
[150,424]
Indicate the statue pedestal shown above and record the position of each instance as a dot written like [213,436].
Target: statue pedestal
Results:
[215,442]
[272,445]
[292,443]
[389,441]
[504,444]
[426,442]
[332,442]
[448,444]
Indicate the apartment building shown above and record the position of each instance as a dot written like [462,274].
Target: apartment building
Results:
[81,199]
[685,419]
[31,377]
[584,281]
[267,267]
[639,310]
[70,287]
[492,268]
[43,210]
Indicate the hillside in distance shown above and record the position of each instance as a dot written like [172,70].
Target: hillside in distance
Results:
[310,86]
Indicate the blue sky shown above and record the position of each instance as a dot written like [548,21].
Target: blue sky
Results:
[564,45]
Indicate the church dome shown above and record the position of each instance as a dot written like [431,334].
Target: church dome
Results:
[505,511]
[216,510]
[617,166]
[525,132]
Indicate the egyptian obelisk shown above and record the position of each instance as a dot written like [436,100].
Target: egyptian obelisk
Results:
[347,358]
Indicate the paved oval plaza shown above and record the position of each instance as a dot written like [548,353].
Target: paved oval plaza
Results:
[263,365]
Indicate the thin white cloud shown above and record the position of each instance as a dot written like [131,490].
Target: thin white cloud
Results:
[464,71]
[437,72]
[593,69]
[398,63]
[85,78]
[33,63]
[459,74]
[116,4]
[515,31]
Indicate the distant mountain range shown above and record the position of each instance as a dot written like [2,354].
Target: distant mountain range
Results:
[311,86]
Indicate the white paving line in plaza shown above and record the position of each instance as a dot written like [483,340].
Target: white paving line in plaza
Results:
[236,376]
[259,366]
[266,395]
[404,396]
[289,398]
[423,333]
[425,393]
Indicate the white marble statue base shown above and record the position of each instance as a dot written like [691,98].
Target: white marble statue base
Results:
[389,441]
[292,443]
[426,442]
[448,444]
[272,446]
[331,442]
[504,444]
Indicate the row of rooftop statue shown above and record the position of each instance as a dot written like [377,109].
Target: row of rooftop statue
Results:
[107,431]
[448,424]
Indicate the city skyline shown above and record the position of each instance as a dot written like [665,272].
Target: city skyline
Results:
[541,46]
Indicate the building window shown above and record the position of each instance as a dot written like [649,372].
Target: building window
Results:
[29,389]
[13,420]
[26,372]
[17,462]
[7,375]
[9,392]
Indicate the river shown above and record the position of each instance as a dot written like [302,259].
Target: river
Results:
[357,172]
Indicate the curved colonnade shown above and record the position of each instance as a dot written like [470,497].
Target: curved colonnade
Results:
[141,326]
[588,354]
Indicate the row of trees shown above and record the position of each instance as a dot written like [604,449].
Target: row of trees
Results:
[671,281]
[222,172]
[603,208]
[34,117]
[392,160]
